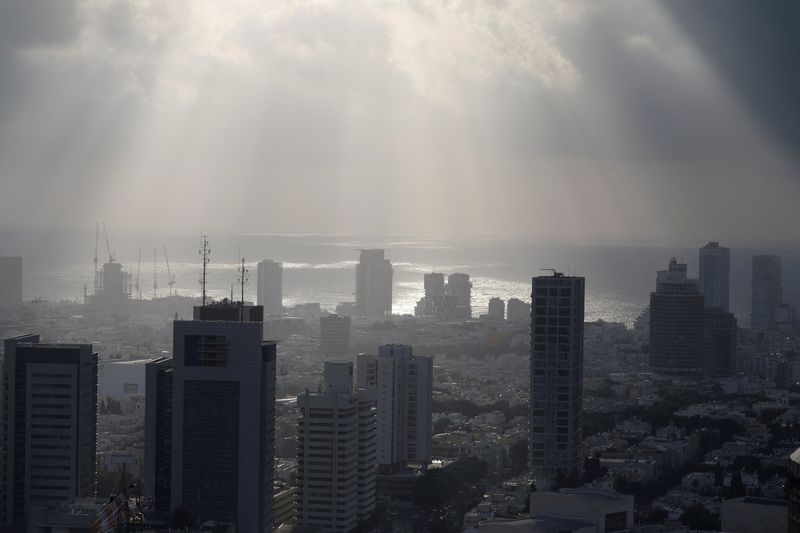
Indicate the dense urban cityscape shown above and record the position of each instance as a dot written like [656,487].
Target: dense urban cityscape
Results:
[230,415]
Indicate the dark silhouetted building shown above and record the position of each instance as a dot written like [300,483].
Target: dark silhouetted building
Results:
[676,323]
[373,284]
[213,405]
[334,336]
[10,281]
[270,286]
[50,425]
[459,288]
[715,273]
[719,342]
[518,311]
[556,373]
[767,287]
[497,309]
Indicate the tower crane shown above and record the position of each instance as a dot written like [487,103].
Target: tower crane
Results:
[170,277]
[155,277]
[108,245]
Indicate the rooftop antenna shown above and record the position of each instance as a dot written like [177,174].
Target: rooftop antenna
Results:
[170,277]
[138,270]
[155,277]
[242,279]
[205,252]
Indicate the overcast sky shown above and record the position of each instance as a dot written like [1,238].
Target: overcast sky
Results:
[593,121]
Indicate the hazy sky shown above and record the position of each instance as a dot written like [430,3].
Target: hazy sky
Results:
[596,121]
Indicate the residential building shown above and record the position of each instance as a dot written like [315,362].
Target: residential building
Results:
[50,421]
[497,309]
[10,281]
[715,273]
[335,453]
[373,284]
[334,336]
[459,287]
[270,286]
[518,311]
[556,373]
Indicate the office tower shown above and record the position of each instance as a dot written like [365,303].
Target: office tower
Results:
[270,286]
[556,373]
[334,336]
[497,309]
[460,288]
[767,290]
[212,405]
[518,311]
[676,322]
[373,284]
[719,341]
[715,273]
[404,390]
[10,281]
[335,453]
[50,421]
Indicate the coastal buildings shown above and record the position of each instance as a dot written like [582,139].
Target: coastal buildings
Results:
[373,284]
[460,289]
[270,286]
[497,309]
[556,373]
[10,281]
[446,301]
[676,322]
[715,272]
[216,393]
[334,336]
[767,290]
[518,311]
[50,425]
[335,453]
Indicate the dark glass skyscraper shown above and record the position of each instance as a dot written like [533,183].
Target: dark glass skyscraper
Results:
[715,273]
[767,287]
[556,373]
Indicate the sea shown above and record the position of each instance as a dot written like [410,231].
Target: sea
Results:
[58,265]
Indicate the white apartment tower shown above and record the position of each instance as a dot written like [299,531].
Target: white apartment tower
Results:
[556,373]
[403,387]
[335,453]
[270,286]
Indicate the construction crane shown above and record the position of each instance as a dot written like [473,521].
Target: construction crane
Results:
[138,270]
[170,277]
[155,277]
[108,245]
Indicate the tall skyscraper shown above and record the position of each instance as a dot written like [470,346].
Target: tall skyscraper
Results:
[334,336]
[497,309]
[676,322]
[10,281]
[50,421]
[518,311]
[335,453]
[460,288]
[719,341]
[212,405]
[767,290]
[715,273]
[373,284]
[556,373]
[404,390]
[270,286]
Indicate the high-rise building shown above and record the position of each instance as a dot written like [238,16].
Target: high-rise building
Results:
[715,273]
[556,373]
[212,406]
[270,286]
[335,453]
[460,288]
[518,311]
[10,281]
[373,284]
[767,290]
[334,336]
[50,421]
[404,390]
[719,341]
[676,322]
[497,309]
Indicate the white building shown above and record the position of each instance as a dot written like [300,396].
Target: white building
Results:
[335,453]
[270,286]
[403,388]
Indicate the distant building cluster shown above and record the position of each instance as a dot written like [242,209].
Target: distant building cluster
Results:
[446,301]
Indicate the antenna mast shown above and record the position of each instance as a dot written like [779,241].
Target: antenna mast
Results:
[155,279]
[205,252]
[242,280]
